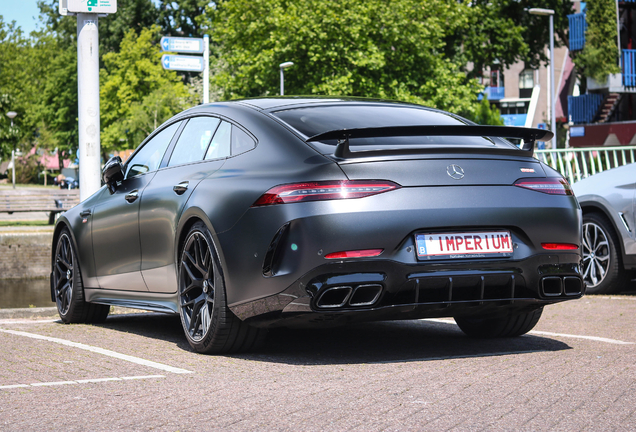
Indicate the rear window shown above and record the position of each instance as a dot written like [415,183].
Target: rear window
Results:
[315,120]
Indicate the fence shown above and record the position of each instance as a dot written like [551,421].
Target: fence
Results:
[583,109]
[578,163]
[578,25]
[629,68]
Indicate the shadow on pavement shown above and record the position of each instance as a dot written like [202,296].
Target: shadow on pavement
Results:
[389,341]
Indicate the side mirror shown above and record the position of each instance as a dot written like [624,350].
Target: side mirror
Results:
[112,173]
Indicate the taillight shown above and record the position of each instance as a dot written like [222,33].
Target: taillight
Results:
[550,185]
[327,190]
[559,246]
[365,253]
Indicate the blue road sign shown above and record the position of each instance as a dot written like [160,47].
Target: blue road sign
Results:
[182,63]
[182,45]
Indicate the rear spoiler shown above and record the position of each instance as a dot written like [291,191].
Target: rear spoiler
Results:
[529,136]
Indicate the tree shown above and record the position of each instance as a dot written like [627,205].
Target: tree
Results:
[136,93]
[599,57]
[502,20]
[182,17]
[344,47]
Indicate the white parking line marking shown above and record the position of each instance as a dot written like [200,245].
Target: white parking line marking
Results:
[102,351]
[543,333]
[52,383]
[86,381]
[14,321]
[594,338]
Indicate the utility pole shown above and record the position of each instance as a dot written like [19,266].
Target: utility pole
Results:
[89,146]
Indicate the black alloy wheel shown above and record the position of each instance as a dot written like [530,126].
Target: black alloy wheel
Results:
[209,325]
[199,278]
[603,271]
[68,288]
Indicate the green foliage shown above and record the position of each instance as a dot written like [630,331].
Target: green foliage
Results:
[488,36]
[599,57]
[343,47]
[27,169]
[136,93]
[182,17]
[487,114]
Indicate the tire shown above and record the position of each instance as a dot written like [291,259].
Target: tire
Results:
[603,271]
[208,324]
[68,288]
[510,326]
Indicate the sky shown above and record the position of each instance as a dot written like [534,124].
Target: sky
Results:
[24,12]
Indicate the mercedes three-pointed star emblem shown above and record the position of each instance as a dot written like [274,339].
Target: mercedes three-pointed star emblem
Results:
[455,171]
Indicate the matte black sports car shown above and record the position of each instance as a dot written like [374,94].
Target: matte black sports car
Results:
[257,213]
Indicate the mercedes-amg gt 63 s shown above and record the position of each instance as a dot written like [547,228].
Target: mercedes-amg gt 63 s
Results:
[245,215]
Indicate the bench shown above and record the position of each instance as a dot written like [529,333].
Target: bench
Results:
[52,201]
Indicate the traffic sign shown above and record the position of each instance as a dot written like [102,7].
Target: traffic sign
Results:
[70,7]
[182,63]
[182,45]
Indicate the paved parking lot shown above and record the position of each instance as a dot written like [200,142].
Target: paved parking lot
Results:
[577,371]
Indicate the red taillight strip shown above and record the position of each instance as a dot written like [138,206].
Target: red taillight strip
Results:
[550,185]
[319,191]
[365,253]
[559,246]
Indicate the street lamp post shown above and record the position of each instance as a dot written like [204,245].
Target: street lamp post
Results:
[552,96]
[283,66]
[12,115]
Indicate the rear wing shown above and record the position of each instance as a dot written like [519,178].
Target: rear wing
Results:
[529,136]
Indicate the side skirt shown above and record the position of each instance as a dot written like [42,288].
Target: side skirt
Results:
[156,302]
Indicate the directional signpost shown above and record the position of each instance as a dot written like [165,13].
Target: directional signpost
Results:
[182,45]
[188,63]
[182,63]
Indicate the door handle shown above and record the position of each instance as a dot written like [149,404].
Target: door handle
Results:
[181,188]
[132,197]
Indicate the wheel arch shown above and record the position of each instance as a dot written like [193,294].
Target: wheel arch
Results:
[189,217]
[588,208]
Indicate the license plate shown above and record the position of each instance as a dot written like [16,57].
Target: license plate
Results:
[488,244]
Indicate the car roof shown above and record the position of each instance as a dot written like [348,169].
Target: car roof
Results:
[286,102]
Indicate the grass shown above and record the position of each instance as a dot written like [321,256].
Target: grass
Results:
[24,223]
[27,185]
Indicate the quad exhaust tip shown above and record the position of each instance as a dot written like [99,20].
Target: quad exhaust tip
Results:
[555,286]
[341,296]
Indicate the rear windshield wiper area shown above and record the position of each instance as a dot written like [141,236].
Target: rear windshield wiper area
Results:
[404,140]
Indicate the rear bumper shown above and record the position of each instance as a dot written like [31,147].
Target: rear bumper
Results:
[346,292]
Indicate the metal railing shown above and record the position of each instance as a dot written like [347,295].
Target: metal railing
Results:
[578,163]
[578,25]
[583,109]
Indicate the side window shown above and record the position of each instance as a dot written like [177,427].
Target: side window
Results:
[194,140]
[149,156]
[241,142]
[220,145]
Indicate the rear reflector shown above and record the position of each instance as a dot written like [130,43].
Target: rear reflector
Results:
[559,246]
[320,191]
[355,254]
[550,185]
